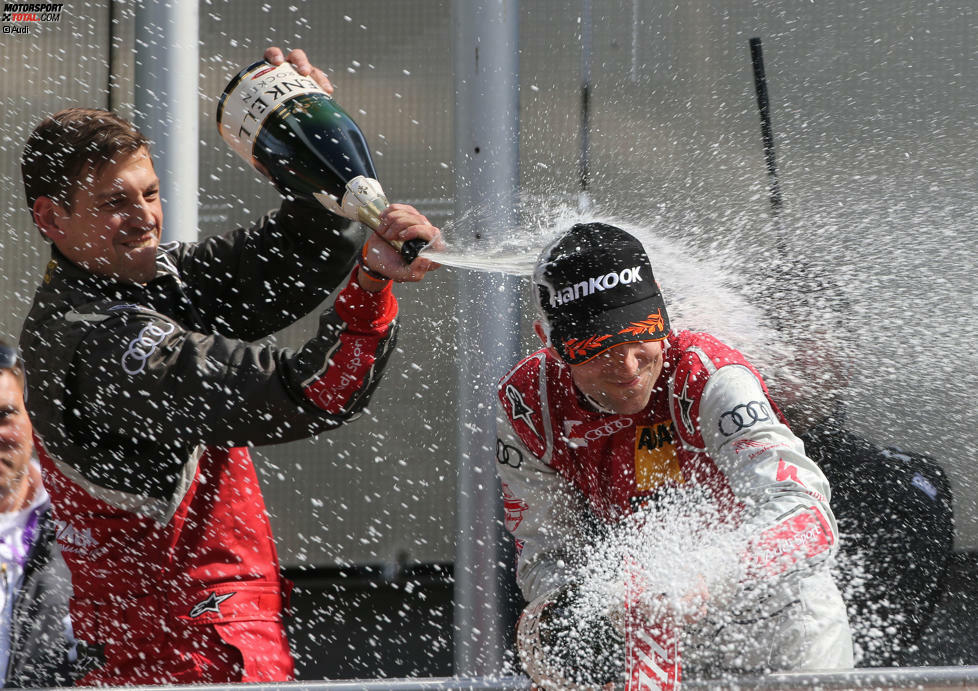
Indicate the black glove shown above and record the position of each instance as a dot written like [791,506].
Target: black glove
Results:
[567,648]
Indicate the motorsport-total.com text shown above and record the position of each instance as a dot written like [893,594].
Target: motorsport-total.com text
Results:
[31,12]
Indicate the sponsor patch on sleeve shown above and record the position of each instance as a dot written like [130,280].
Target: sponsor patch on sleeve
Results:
[795,539]
[514,508]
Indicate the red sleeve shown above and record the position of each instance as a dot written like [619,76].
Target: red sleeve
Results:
[366,311]
[362,347]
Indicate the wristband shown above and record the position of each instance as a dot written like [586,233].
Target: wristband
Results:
[376,275]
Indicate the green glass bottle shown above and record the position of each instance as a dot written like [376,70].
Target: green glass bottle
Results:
[290,130]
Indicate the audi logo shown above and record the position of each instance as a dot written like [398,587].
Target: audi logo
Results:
[144,345]
[608,428]
[743,416]
[508,455]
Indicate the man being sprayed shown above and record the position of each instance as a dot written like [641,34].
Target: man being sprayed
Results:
[145,390]
[620,426]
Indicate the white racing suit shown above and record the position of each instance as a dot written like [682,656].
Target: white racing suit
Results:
[570,471]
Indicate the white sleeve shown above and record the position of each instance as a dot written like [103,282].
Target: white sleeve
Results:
[785,496]
[544,514]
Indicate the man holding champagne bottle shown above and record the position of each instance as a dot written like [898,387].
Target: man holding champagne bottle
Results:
[145,389]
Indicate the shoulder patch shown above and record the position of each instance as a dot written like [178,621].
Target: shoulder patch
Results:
[517,409]
[684,400]
[703,355]
[521,393]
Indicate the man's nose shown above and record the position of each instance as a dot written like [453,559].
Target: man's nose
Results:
[140,214]
[625,358]
[8,435]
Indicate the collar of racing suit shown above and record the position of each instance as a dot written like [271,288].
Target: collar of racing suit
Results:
[60,267]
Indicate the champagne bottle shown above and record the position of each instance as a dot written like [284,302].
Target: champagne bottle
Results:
[294,133]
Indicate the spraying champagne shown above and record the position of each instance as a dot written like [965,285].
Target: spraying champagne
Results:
[293,132]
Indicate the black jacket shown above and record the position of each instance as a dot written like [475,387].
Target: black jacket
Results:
[105,358]
[40,645]
[896,522]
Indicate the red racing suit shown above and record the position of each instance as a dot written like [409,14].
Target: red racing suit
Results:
[143,400]
[568,468]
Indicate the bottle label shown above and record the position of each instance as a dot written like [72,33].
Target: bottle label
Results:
[253,96]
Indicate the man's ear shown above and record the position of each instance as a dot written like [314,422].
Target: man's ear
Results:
[540,332]
[545,339]
[47,217]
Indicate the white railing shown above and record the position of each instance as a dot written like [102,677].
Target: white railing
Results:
[920,678]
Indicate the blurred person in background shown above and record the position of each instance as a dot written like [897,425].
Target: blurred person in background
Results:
[145,390]
[894,506]
[35,632]
[896,523]
[619,425]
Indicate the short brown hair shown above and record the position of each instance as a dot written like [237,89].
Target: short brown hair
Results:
[65,144]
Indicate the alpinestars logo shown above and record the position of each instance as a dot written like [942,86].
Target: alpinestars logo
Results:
[32,12]
[685,407]
[519,410]
[212,604]
[594,284]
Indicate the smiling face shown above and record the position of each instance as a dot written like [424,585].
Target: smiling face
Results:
[114,219]
[15,437]
[621,378]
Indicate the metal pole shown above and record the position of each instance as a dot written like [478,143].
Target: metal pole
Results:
[767,133]
[584,157]
[166,76]
[487,175]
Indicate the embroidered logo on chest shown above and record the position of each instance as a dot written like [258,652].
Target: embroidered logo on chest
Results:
[580,434]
